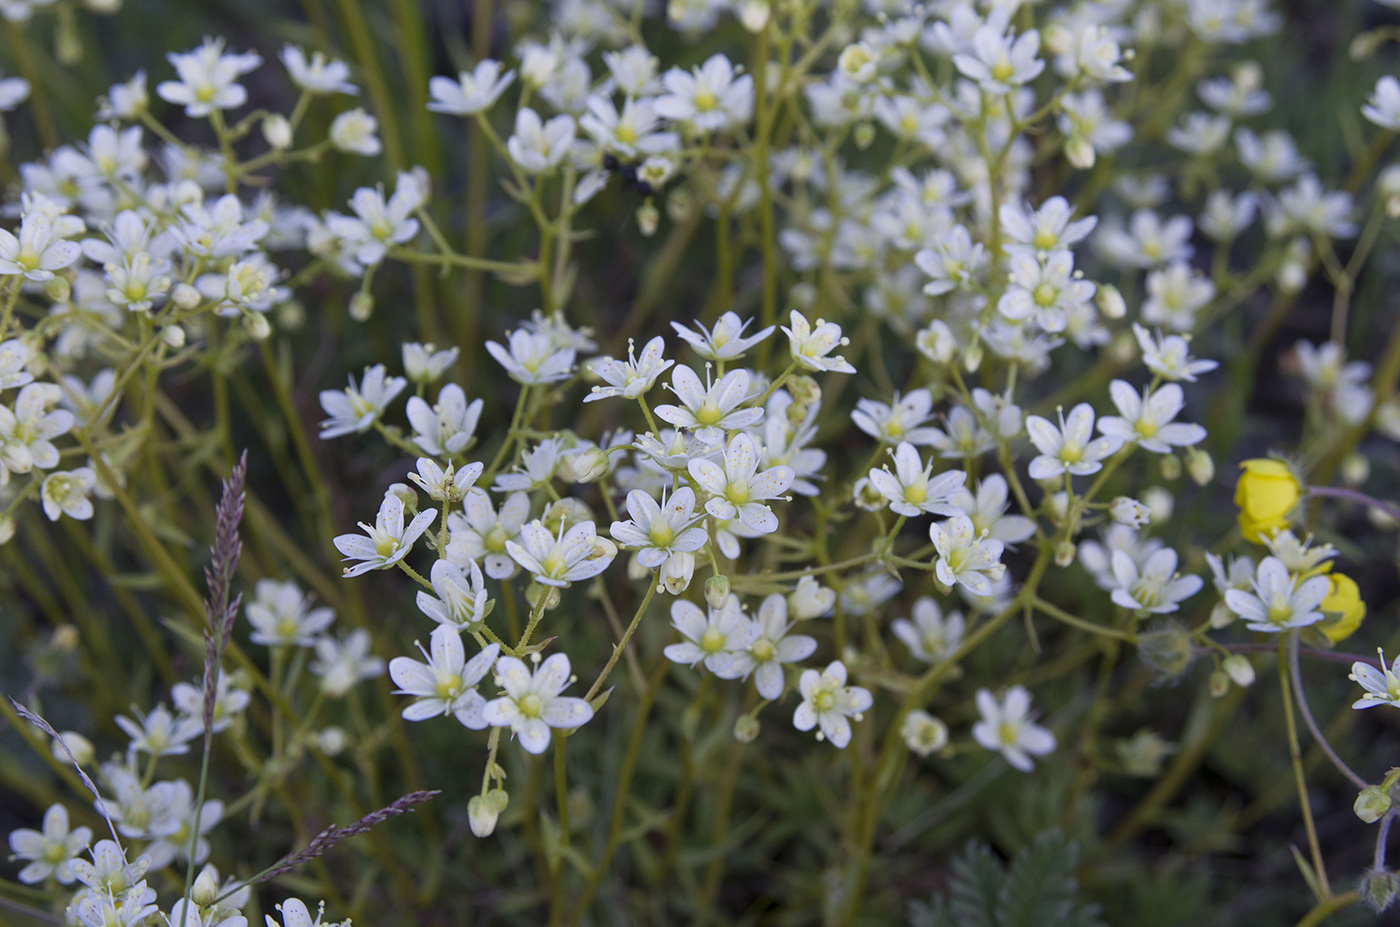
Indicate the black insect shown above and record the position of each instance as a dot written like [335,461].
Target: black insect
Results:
[628,172]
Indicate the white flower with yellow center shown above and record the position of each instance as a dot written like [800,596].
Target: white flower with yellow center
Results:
[387,541]
[1067,449]
[909,489]
[1280,599]
[811,347]
[708,412]
[658,532]
[1007,728]
[532,704]
[1147,419]
[964,557]
[577,553]
[446,683]
[714,638]
[633,377]
[827,701]
[1382,686]
[736,490]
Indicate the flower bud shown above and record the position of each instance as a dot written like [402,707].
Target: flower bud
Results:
[1111,302]
[923,733]
[1065,552]
[804,390]
[185,297]
[361,305]
[1219,684]
[972,357]
[77,744]
[483,810]
[206,888]
[1355,469]
[1378,889]
[1160,502]
[754,14]
[863,135]
[332,741]
[277,131]
[717,590]
[746,729]
[636,571]
[1221,616]
[866,496]
[256,325]
[1170,467]
[58,289]
[1371,804]
[174,336]
[1129,512]
[677,572]
[1239,669]
[648,218]
[1167,650]
[858,63]
[406,494]
[1200,466]
[591,465]
[7,527]
[1388,186]
[937,342]
[1079,151]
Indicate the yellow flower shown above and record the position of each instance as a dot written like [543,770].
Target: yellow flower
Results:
[1266,493]
[1343,608]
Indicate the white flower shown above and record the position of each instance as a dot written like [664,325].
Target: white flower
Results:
[343,663]
[923,733]
[356,408]
[725,341]
[810,347]
[480,533]
[828,701]
[737,491]
[709,412]
[15,355]
[633,377]
[997,63]
[771,649]
[472,92]
[954,262]
[898,421]
[446,683]
[533,359]
[1045,229]
[51,850]
[218,232]
[1305,207]
[1175,294]
[1148,241]
[65,492]
[909,490]
[1382,688]
[1045,290]
[930,636]
[159,733]
[532,703]
[320,74]
[865,594]
[1130,512]
[354,131]
[13,92]
[207,79]
[1068,448]
[38,251]
[424,363]
[228,701]
[536,146]
[577,553]
[810,599]
[450,485]
[714,636]
[708,97]
[1006,727]
[1383,106]
[1169,356]
[964,557]
[629,133]
[1280,599]
[987,509]
[295,914]
[1158,588]
[657,532]
[281,615]
[1147,419]
[125,100]
[387,542]
[460,603]
[962,435]
[447,427]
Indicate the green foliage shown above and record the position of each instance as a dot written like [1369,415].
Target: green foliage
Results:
[1037,889]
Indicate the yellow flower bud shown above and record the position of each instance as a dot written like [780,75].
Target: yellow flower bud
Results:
[1343,608]
[1266,493]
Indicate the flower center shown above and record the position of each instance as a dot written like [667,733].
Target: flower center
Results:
[661,533]
[495,540]
[825,700]
[1044,239]
[705,99]
[1003,70]
[738,492]
[712,641]
[1045,294]
[763,650]
[530,705]
[709,413]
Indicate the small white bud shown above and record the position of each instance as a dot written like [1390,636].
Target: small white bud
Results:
[174,336]
[648,218]
[7,528]
[746,729]
[405,493]
[277,131]
[257,326]
[754,14]
[591,465]
[1200,466]
[1065,552]
[1239,669]
[717,591]
[361,305]
[1111,302]
[1355,469]
[1161,502]
[81,748]
[332,741]
[1129,512]
[206,888]
[185,296]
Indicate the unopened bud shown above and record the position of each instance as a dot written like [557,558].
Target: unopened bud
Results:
[863,135]
[332,741]
[1111,302]
[746,729]
[754,14]
[677,572]
[1171,467]
[972,357]
[277,131]
[361,305]
[206,888]
[185,297]
[1239,669]
[717,590]
[174,336]
[256,325]
[591,465]
[1219,683]
[484,810]
[1371,804]
[405,494]
[7,527]
[804,390]
[1129,512]
[1378,889]
[1200,466]
[58,289]
[1065,552]
[1160,502]
[923,733]
[648,218]
[1355,469]
[937,342]
[77,744]
[1167,650]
